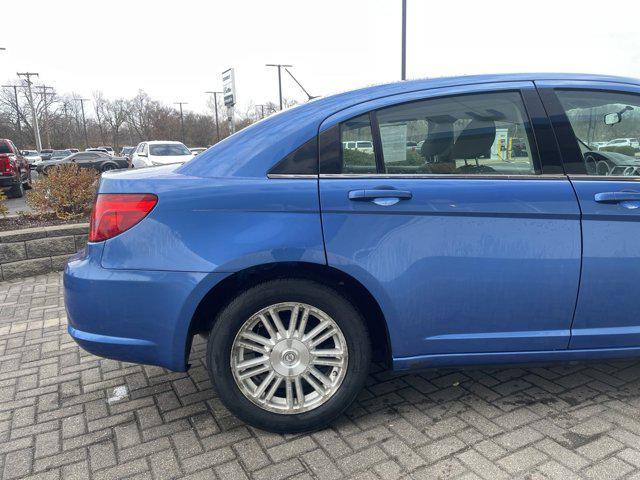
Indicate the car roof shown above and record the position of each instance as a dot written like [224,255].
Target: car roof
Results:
[254,149]
[155,142]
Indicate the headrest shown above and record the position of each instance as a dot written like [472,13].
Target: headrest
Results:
[438,140]
[474,140]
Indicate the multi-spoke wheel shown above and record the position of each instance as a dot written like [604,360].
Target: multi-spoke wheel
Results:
[288,355]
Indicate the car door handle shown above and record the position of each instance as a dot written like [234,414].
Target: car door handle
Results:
[374,194]
[617,197]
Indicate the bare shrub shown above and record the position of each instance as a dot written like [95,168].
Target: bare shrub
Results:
[3,206]
[67,190]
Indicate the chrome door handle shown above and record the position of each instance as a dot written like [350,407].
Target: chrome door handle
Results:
[374,194]
[617,197]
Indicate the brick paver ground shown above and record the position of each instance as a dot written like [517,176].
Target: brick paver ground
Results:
[63,415]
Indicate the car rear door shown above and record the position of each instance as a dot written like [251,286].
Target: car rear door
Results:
[606,181]
[467,248]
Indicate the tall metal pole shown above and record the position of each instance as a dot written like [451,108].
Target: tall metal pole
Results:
[36,128]
[15,93]
[215,106]
[84,120]
[404,40]
[181,119]
[47,126]
[280,66]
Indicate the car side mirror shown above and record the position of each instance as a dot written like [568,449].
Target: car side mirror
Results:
[612,118]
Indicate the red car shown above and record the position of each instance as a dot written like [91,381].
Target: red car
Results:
[15,175]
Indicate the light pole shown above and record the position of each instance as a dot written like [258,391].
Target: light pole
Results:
[44,91]
[84,120]
[181,119]
[15,93]
[403,74]
[36,128]
[261,105]
[215,104]
[280,66]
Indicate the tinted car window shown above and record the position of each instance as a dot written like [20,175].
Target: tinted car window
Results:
[606,126]
[466,134]
[4,148]
[169,149]
[302,161]
[357,159]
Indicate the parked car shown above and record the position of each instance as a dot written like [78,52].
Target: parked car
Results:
[301,264]
[100,161]
[360,145]
[97,149]
[197,150]
[127,151]
[15,174]
[623,142]
[59,154]
[45,154]
[108,149]
[160,152]
[32,156]
[597,145]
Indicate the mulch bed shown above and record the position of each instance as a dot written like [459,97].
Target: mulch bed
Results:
[29,221]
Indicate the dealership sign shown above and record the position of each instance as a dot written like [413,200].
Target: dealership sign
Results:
[229,87]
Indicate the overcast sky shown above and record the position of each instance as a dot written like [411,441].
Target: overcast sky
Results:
[175,50]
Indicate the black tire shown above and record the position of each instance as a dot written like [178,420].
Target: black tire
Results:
[109,166]
[245,305]
[17,191]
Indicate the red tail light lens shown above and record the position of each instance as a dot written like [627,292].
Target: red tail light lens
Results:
[113,213]
[5,164]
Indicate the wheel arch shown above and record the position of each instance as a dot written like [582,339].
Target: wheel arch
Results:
[222,293]
[108,163]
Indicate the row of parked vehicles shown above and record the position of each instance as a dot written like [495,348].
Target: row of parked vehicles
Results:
[618,142]
[16,165]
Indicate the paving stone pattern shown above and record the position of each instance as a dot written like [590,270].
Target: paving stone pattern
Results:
[65,415]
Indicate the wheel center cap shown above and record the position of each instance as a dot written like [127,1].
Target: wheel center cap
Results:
[290,357]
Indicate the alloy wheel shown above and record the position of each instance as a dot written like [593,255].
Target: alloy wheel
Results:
[289,358]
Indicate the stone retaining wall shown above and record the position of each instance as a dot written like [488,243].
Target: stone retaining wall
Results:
[33,251]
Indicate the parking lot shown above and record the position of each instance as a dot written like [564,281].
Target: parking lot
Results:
[67,414]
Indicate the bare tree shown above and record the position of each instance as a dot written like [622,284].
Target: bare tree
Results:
[115,114]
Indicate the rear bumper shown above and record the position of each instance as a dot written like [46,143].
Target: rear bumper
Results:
[132,315]
[7,182]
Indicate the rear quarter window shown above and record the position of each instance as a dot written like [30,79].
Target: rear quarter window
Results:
[302,161]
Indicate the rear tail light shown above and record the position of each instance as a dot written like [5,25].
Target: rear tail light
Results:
[5,164]
[113,213]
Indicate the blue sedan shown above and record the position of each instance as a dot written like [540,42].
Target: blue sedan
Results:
[424,223]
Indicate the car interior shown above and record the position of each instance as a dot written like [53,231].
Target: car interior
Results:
[471,134]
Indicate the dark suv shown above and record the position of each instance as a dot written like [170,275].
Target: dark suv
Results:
[15,174]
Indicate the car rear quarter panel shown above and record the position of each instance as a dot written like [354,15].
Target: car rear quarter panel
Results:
[219,225]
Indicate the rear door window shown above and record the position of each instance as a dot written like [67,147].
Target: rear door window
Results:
[467,134]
